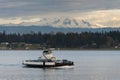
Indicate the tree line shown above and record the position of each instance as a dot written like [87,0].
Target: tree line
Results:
[66,40]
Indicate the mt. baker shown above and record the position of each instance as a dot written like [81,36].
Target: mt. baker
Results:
[57,22]
[46,25]
[92,19]
[66,22]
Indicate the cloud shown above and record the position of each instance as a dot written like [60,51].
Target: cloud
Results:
[18,20]
[97,12]
[11,5]
[103,18]
[18,8]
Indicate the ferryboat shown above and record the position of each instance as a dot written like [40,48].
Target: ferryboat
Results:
[47,60]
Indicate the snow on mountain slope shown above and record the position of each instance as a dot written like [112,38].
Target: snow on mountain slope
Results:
[57,22]
[67,22]
[93,19]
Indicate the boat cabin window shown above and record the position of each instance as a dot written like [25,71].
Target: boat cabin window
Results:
[46,51]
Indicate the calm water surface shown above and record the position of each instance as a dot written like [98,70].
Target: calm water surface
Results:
[89,65]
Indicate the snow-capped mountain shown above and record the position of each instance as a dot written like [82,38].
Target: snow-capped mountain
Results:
[57,22]
[64,22]
[93,19]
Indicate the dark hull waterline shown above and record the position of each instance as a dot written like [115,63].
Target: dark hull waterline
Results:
[48,66]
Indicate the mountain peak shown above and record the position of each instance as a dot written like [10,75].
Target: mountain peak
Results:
[91,19]
[60,22]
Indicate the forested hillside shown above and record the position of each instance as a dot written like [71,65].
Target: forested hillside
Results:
[84,40]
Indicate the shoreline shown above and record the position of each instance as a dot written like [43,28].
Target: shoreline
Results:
[69,49]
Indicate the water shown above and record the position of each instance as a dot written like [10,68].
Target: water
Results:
[89,65]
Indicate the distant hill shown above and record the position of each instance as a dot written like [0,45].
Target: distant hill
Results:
[48,29]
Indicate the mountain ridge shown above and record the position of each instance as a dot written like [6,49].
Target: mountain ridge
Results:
[48,29]
[55,22]
[87,19]
[61,22]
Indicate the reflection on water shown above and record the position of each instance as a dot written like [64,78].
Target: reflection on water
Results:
[89,65]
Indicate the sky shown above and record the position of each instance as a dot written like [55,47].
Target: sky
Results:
[16,10]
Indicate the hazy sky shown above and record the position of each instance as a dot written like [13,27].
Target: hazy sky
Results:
[17,8]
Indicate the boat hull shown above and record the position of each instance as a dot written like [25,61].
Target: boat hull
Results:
[46,64]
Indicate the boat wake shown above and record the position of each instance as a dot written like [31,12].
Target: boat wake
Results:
[9,65]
